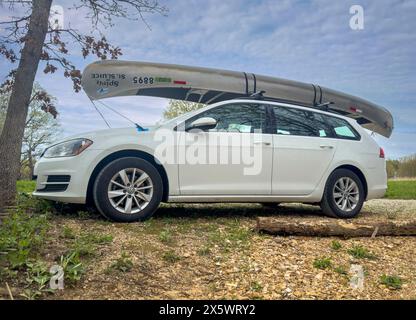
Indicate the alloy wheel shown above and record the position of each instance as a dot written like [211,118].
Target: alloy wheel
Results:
[130,190]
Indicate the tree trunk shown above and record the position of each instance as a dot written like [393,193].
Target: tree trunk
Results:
[333,227]
[14,126]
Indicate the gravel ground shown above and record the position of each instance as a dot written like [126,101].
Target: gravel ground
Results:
[212,251]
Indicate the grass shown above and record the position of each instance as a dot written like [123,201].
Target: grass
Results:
[336,245]
[341,270]
[391,282]
[122,264]
[26,186]
[401,189]
[171,256]
[359,252]
[322,263]
[165,236]
[255,286]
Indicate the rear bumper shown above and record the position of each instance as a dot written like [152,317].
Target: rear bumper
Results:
[376,183]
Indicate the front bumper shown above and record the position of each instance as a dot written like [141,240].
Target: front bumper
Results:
[78,168]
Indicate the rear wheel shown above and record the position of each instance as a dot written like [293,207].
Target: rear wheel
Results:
[344,195]
[128,189]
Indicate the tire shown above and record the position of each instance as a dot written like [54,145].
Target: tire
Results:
[129,203]
[352,200]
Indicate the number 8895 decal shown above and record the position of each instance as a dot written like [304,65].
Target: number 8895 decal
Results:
[143,80]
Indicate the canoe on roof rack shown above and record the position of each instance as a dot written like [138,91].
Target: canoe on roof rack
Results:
[114,78]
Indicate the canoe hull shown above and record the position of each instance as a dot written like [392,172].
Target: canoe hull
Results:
[105,79]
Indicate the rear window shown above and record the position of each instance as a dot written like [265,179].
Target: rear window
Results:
[299,122]
[342,129]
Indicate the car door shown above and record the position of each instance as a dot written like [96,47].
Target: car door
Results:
[303,150]
[234,158]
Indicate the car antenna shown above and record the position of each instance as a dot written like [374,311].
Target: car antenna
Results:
[99,112]
[139,127]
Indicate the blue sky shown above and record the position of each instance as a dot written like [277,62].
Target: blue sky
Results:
[309,41]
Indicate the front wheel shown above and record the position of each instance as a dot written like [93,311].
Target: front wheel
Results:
[344,195]
[128,190]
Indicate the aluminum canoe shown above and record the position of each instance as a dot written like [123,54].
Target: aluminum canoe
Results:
[112,78]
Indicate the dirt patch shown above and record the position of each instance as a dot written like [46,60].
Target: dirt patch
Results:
[212,251]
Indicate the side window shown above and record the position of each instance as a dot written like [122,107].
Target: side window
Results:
[238,117]
[342,129]
[298,122]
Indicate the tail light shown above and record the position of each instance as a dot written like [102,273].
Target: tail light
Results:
[382,155]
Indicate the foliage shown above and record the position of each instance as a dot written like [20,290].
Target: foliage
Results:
[359,252]
[26,186]
[165,236]
[72,267]
[41,127]
[178,107]
[37,279]
[402,168]
[391,282]
[336,245]
[123,263]
[61,41]
[21,234]
[171,256]
[322,263]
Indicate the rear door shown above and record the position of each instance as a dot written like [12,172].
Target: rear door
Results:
[303,150]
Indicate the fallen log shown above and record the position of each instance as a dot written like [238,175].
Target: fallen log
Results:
[333,227]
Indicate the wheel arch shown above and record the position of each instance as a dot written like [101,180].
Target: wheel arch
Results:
[359,173]
[123,154]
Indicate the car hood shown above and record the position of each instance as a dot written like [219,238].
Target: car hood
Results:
[101,134]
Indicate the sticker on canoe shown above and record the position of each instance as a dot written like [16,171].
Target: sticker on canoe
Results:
[153,80]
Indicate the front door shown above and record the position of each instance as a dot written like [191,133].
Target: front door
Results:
[234,158]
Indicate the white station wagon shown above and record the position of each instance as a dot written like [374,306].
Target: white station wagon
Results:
[284,153]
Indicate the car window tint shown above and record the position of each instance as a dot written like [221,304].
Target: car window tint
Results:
[342,129]
[243,118]
[298,122]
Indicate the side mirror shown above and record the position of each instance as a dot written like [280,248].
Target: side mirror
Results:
[204,123]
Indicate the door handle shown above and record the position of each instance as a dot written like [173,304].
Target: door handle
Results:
[326,147]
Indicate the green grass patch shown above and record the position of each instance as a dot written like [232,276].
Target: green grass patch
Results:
[255,286]
[341,270]
[20,235]
[401,189]
[359,252]
[166,237]
[171,256]
[391,282]
[322,263]
[26,186]
[122,264]
[336,245]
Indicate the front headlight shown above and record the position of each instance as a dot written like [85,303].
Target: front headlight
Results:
[67,149]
